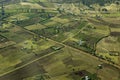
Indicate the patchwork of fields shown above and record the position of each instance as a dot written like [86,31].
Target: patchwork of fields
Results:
[58,45]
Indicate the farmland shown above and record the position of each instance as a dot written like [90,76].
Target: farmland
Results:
[45,40]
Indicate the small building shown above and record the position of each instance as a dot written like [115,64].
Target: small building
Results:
[57,47]
[104,10]
[114,53]
[100,66]
[81,42]
[86,78]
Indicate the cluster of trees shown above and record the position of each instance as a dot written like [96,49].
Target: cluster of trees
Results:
[101,2]
[86,2]
[9,1]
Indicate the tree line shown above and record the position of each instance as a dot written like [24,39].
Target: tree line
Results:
[86,2]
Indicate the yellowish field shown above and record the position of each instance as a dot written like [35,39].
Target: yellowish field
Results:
[36,46]
[50,23]
[115,29]
[45,44]
[100,29]
[8,43]
[21,16]
[112,18]
[35,26]
[7,64]
[27,48]
[12,57]
[9,59]
[31,5]
[59,70]
[28,44]
[62,21]
[104,47]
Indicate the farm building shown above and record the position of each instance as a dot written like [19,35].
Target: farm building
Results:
[114,53]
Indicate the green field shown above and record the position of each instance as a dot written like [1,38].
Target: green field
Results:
[52,40]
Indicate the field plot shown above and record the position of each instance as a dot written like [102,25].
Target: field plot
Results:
[24,52]
[108,48]
[27,19]
[13,32]
[59,31]
[18,17]
[35,27]
[71,62]
[3,39]
[21,49]
[4,42]
[59,40]
[10,56]
[89,35]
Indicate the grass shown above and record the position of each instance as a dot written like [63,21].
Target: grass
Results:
[9,58]
[51,23]
[13,33]
[59,65]
[115,29]
[111,15]
[59,20]
[21,16]
[106,45]
[46,4]
[3,39]
[113,58]
[28,44]
[35,26]
[8,43]
[27,22]
[31,5]
[16,38]
[57,69]
[68,31]
[90,34]
[45,44]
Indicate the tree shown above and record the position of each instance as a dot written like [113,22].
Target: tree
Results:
[2,15]
[43,10]
[42,78]
[99,67]
[58,9]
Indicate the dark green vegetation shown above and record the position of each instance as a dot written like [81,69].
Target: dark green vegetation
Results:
[57,32]
[86,2]
[60,40]
[3,39]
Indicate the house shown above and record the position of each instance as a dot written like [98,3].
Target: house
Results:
[81,42]
[114,53]
[57,47]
